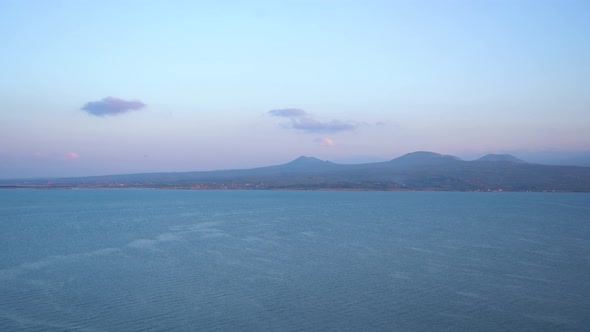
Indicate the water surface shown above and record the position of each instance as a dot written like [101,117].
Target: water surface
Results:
[154,260]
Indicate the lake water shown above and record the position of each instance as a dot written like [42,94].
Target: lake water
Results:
[165,260]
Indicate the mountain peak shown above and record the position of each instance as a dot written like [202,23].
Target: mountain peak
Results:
[501,157]
[308,161]
[424,158]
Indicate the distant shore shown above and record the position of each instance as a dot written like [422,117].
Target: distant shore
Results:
[273,189]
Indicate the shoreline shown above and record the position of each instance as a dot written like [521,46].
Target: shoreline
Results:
[283,189]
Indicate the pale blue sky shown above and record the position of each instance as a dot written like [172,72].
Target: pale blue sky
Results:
[456,77]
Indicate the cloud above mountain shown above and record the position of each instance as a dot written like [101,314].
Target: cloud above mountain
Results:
[325,141]
[112,106]
[301,120]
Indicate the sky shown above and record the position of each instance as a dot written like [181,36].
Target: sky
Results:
[127,86]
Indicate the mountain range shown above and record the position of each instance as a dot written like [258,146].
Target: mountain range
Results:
[414,171]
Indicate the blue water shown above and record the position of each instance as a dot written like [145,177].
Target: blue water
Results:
[164,260]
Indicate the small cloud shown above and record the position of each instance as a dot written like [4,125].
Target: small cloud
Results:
[71,156]
[288,112]
[312,125]
[376,124]
[304,121]
[326,141]
[112,106]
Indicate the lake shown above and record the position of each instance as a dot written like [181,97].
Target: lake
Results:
[166,260]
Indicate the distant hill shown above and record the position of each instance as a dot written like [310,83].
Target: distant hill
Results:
[420,170]
[501,158]
[304,161]
[424,158]
[303,164]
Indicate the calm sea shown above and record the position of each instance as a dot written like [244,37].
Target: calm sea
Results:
[165,260]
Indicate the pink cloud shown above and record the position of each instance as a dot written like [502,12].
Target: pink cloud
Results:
[71,156]
[326,141]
